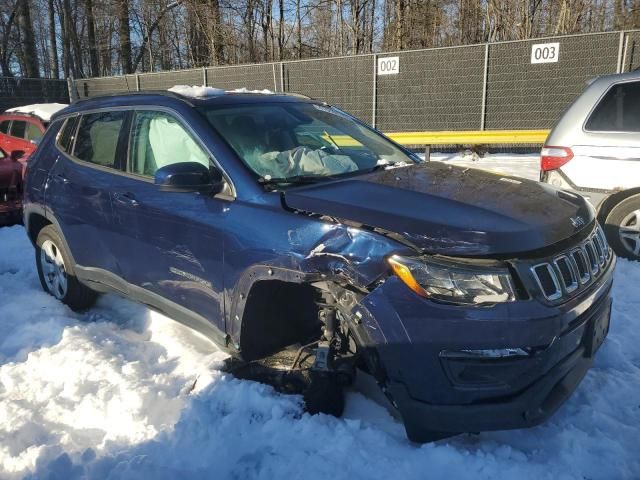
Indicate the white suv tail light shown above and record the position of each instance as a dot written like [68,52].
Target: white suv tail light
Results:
[552,158]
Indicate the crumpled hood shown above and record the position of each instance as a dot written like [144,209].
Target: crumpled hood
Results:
[450,210]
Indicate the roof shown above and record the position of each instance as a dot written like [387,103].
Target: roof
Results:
[615,77]
[167,98]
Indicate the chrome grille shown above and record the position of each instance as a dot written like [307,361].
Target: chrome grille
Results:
[565,273]
[580,261]
[568,272]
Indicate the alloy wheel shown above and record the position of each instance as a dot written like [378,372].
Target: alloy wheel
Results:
[53,269]
[629,232]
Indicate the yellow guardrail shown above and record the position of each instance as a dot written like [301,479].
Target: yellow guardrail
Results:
[470,137]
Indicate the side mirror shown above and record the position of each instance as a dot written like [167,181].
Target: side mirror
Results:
[17,155]
[189,177]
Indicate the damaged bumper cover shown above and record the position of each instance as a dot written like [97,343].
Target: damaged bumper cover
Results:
[452,369]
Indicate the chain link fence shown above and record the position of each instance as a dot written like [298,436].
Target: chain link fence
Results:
[15,92]
[525,95]
[631,52]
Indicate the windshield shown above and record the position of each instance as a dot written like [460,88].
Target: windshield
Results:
[283,142]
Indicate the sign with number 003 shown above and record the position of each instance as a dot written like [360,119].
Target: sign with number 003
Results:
[389,66]
[545,52]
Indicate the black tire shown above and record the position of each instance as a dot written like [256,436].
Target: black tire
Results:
[74,294]
[622,225]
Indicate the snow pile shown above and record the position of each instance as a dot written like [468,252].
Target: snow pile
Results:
[43,110]
[520,165]
[114,397]
[196,91]
[246,90]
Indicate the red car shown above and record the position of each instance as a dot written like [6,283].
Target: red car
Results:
[20,132]
[21,129]
[19,135]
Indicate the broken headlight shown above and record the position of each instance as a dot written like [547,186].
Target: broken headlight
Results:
[454,283]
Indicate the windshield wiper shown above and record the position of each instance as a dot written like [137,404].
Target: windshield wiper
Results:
[295,180]
[333,142]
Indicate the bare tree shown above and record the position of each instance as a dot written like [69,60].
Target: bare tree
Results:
[105,37]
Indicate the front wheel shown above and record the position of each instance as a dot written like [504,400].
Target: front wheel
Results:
[623,228]
[55,270]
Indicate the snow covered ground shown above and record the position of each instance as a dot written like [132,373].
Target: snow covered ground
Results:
[125,393]
[521,165]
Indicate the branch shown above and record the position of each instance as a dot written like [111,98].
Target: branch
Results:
[150,31]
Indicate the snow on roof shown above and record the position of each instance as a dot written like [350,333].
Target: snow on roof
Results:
[195,91]
[43,110]
[246,90]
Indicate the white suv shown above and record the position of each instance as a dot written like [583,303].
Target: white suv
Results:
[594,150]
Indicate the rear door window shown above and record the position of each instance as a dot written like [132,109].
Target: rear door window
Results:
[33,132]
[4,126]
[18,128]
[68,135]
[618,111]
[97,138]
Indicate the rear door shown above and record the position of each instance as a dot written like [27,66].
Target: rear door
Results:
[169,243]
[78,190]
[608,155]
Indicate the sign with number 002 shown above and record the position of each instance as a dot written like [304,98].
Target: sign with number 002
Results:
[389,66]
[545,52]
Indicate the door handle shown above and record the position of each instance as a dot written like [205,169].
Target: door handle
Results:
[125,199]
[62,178]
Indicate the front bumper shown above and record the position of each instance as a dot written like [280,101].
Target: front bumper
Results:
[439,394]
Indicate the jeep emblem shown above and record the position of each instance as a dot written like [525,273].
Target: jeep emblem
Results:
[577,221]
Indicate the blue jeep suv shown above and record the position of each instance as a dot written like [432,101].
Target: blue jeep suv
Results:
[276,223]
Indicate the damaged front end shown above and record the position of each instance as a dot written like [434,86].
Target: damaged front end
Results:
[456,343]
[496,351]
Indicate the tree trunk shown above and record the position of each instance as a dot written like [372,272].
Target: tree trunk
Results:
[124,36]
[281,30]
[299,28]
[53,42]
[94,67]
[218,38]
[400,20]
[29,52]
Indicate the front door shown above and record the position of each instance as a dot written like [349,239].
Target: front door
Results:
[169,243]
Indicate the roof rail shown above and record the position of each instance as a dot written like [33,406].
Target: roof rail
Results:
[165,93]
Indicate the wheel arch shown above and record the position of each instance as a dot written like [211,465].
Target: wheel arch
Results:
[266,299]
[34,223]
[36,218]
[614,199]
